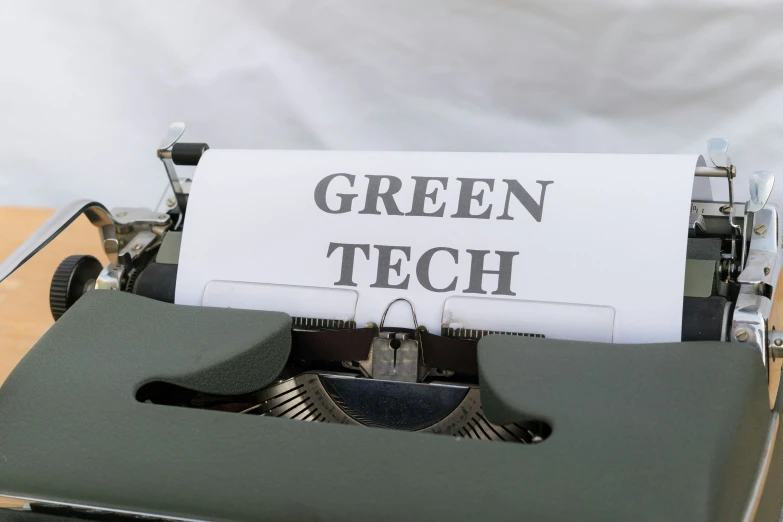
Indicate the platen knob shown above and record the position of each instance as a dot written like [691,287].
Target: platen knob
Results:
[73,278]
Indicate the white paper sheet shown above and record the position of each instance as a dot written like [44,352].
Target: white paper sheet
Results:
[586,229]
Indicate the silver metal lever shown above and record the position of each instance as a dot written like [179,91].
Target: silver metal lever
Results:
[176,130]
[95,212]
[761,183]
[763,249]
[775,344]
[717,150]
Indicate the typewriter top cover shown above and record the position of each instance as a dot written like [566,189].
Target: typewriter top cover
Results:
[132,406]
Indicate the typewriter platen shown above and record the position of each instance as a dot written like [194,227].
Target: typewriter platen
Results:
[380,376]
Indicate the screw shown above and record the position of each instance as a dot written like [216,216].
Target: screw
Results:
[766,270]
[122,214]
[170,202]
[761,229]
[778,342]
[163,216]
[741,335]
[725,209]
[137,246]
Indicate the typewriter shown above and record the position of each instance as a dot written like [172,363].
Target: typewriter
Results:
[133,407]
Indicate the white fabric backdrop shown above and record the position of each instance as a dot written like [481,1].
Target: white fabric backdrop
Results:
[89,87]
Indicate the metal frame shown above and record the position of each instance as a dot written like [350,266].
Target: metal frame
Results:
[175,132]
[758,279]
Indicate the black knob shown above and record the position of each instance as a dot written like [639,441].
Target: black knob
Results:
[74,277]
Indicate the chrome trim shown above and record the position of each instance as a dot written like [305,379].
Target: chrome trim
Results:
[749,323]
[714,208]
[761,476]
[139,216]
[696,222]
[33,500]
[110,277]
[139,244]
[95,212]
[775,344]
[763,251]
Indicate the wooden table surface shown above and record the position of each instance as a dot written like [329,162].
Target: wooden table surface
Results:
[24,296]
